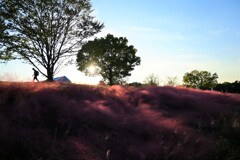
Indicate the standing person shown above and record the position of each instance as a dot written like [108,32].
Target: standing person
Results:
[35,74]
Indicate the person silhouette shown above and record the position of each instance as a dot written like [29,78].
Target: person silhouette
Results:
[35,74]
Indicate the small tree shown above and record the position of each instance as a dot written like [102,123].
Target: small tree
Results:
[151,80]
[172,81]
[45,33]
[200,79]
[112,56]
[135,84]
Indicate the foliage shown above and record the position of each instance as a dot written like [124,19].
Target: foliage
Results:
[228,87]
[151,80]
[135,84]
[46,34]
[61,122]
[200,79]
[112,55]
[4,56]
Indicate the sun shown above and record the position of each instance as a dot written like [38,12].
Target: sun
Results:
[91,69]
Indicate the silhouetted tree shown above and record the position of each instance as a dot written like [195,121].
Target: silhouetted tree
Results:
[113,57]
[46,32]
[200,79]
[151,80]
[228,87]
[236,87]
[4,56]
[223,87]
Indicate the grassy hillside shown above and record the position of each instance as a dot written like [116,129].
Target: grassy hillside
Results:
[42,121]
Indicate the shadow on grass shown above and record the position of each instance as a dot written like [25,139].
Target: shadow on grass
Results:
[59,122]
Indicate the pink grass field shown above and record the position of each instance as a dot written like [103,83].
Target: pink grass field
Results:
[51,121]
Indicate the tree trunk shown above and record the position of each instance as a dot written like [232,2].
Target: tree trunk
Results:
[110,77]
[110,82]
[49,74]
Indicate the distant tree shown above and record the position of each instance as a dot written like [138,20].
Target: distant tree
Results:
[224,87]
[172,81]
[151,80]
[200,79]
[46,32]
[135,84]
[113,57]
[236,87]
[228,87]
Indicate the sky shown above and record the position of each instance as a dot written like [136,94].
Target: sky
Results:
[172,37]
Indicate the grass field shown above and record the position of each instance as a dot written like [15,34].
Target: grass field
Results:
[51,121]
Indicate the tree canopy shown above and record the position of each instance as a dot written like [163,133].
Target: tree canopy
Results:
[46,33]
[200,79]
[233,87]
[112,55]
[4,56]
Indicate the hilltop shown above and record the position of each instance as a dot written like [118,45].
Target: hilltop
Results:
[79,122]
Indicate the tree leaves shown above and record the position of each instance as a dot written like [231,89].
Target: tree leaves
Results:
[46,32]
[115,58]
[200,79]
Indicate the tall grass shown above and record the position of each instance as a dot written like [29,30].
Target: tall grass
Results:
[58,122]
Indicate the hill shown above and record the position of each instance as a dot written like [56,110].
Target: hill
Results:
[44,121]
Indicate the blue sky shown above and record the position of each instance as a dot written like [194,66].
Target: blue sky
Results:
[172,37]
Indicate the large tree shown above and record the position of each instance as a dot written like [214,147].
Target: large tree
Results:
[112,55]
[200,79]
[4,56]
[46,33]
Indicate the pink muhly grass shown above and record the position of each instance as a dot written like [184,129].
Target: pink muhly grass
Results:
[57,121]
